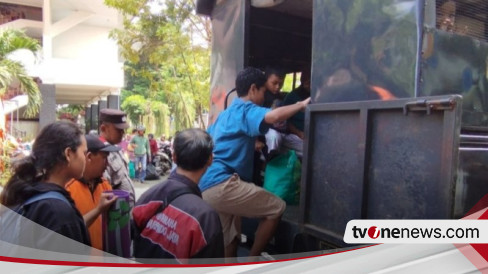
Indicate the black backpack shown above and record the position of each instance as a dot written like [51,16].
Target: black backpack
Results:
[151,173]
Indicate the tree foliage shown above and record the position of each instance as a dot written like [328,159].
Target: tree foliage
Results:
[70,112]
[135,106]
[12,40]
[164,64]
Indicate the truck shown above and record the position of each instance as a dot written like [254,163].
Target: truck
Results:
[398,124]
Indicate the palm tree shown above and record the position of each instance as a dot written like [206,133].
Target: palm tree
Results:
[10,70]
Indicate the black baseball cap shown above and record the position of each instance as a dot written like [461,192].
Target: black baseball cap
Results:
[94,144]
[114,116]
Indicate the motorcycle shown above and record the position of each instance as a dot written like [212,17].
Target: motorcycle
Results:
[162,161]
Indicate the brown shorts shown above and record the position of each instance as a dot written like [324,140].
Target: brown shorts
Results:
[234,198]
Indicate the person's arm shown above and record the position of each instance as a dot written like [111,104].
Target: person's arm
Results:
[109,171]
[285,112]
[106,200]
[295,130]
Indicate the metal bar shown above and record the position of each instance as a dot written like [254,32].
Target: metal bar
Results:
[420,41]
[247,28]
[450,148]
[473,149]
[305,167]
[428,105]
[474,137]
[376,104]
[294,80]
[363,158]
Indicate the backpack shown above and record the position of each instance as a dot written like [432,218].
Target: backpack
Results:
[151,173]
[42,196]
[10,221]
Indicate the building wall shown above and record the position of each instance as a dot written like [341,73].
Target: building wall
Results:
[47,112]
[85,42]
[27,130]
[85,55]
[79,62]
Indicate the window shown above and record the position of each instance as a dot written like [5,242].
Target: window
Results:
[464,17]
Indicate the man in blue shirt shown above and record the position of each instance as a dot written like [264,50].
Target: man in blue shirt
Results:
[225,184]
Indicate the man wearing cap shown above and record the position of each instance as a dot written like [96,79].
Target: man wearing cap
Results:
[87,192]
[113,122]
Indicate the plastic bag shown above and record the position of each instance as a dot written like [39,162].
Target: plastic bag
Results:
[282,177]
[132,170]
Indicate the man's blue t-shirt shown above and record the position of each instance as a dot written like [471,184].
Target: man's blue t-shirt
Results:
[234,135]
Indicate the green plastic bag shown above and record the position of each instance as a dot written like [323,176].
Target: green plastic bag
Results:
[282,177]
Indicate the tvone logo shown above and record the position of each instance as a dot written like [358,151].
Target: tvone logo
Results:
[373,232]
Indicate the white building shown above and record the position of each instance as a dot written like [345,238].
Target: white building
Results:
[79,63]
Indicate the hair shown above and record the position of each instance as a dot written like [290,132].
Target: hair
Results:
[47,153]
[192,148]
[245,78]
[150,136]
[274,71]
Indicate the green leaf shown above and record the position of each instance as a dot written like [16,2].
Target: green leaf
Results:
[10,41]
[163,64]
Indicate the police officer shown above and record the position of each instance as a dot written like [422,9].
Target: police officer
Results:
[113,122]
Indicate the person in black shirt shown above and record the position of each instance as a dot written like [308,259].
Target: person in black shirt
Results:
[58,155]
[274,82]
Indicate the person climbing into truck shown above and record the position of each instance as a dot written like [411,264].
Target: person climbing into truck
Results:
[225,184]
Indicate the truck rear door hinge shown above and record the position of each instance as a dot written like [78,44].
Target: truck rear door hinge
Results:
[429,105]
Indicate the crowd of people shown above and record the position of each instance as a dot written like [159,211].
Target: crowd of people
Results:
[196,212]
